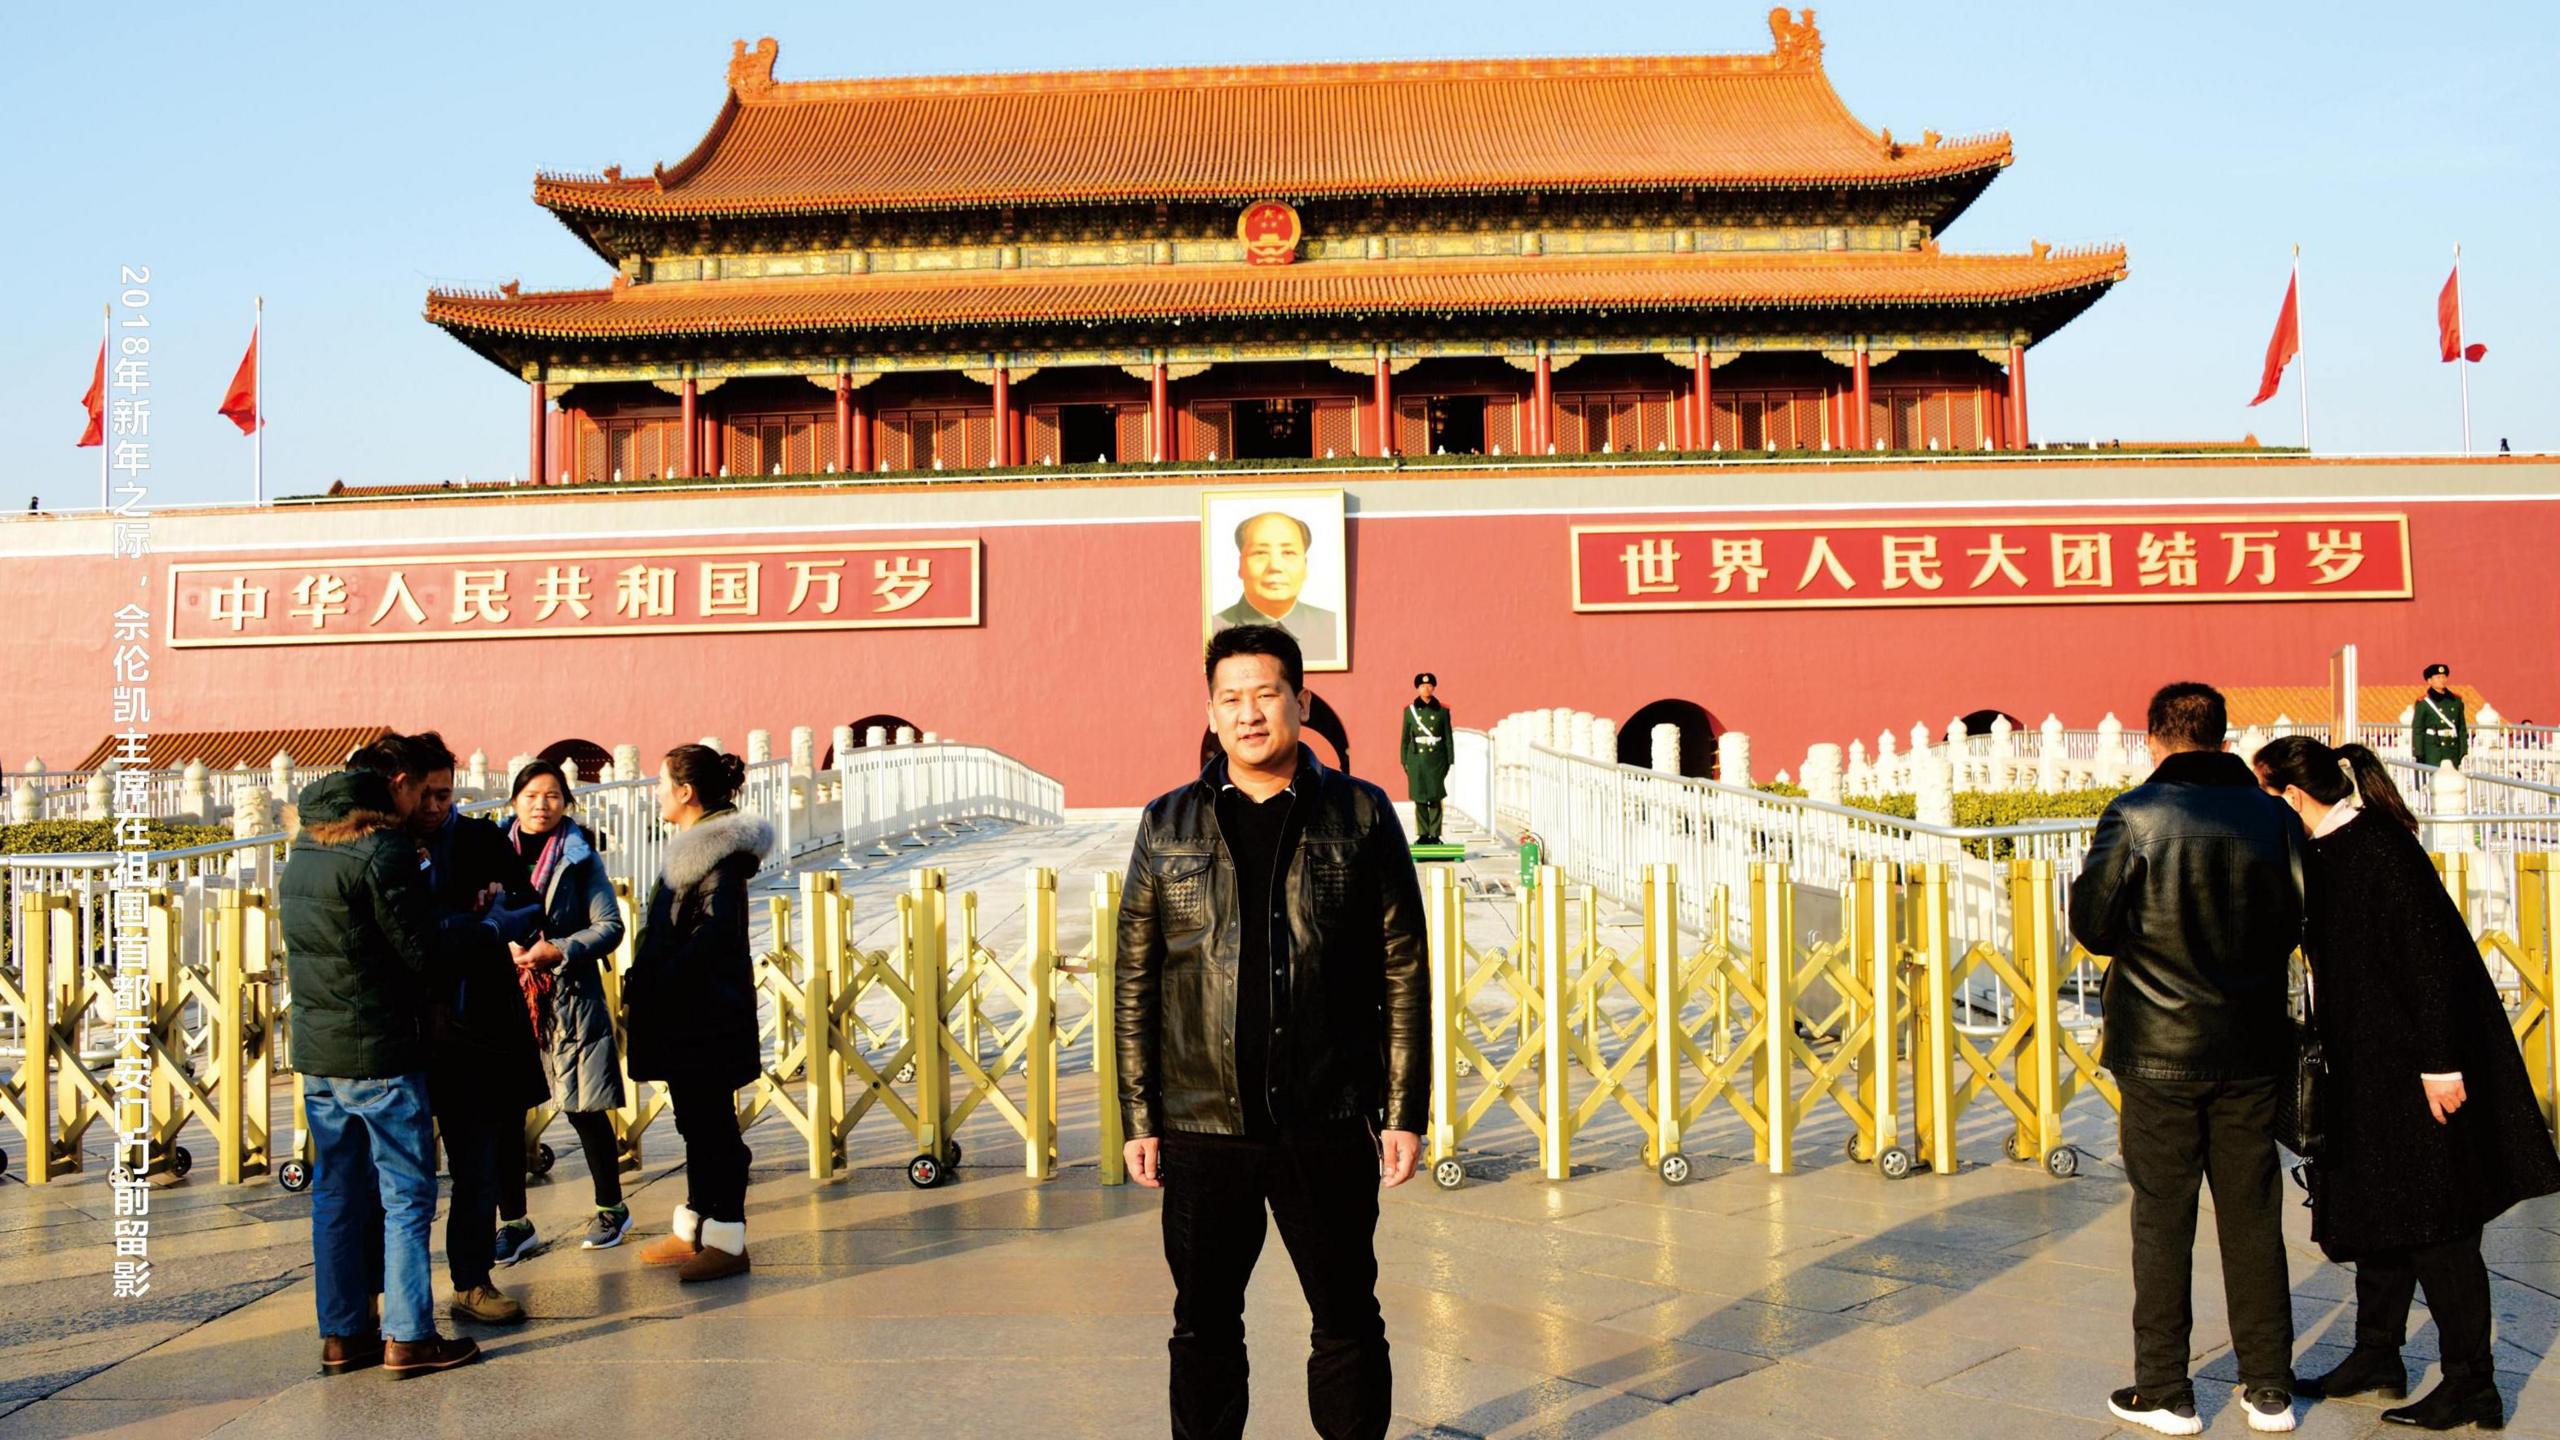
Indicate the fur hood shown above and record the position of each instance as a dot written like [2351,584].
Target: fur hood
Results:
[344,807]
[698,849]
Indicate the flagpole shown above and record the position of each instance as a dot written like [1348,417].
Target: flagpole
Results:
[2301,352]
[258,403]
[2461,365]
[106,339]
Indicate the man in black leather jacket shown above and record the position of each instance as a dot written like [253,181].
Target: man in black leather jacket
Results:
[2193,888]
[1274,1044]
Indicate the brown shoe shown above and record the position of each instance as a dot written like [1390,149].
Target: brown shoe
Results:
[723,1253]
[341,1354]
[679,1245]
[402,1359]
[487,1304]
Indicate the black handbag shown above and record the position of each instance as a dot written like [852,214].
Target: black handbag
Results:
[2299,1122]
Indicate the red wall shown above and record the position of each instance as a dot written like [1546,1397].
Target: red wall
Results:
[1086,664]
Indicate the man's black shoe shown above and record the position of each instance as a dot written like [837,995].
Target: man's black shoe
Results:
[2170,1413]
[2457,1400]
[2361,1372]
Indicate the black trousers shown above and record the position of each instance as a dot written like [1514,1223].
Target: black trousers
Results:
[594,1130]
[2177,1134]
[1426,820]
[2457,1284]
[475,1137]
[1321,1189]
[715,1155]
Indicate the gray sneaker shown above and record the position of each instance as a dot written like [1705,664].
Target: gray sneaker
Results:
[607,1229]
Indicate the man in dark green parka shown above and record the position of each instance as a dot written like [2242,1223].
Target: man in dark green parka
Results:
[1428,748]
[360,942]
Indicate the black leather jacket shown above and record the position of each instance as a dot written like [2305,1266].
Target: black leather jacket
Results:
[2193,886]
[1356,964]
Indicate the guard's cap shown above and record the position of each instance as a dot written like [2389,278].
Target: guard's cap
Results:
[2431,672]
[1426,678]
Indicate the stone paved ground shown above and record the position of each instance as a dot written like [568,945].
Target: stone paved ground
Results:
[1829,1302]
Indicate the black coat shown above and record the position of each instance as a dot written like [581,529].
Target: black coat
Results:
[690,999]
[359,934]
[483,1047]
[2400,991]
[2192,887]
[1356,963]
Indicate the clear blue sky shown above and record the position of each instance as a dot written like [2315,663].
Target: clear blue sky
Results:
[342,159]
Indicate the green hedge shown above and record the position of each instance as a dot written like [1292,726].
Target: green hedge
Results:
[1976,810]
[91,837]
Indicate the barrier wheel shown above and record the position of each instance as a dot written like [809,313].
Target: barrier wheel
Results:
[1856,1151]
[1675,1169]
[1449,1174]
[294,1176]
[2010,1147]
[4,1162]
[924,1172]
[180,1162]
[2062,1163]
[907,1073]
[1466,1066]
[954,1161]
[541,1158]
[1894,1163]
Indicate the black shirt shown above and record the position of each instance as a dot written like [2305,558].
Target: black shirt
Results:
[1261,837]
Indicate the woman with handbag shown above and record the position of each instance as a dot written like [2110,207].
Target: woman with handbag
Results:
[562,975]
[2430,1125]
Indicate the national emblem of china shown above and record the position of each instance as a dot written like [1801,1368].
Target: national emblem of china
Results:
[1269,230]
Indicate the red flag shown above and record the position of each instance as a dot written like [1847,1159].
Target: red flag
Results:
[2282,346]
[240,402]
[2449,321]
[96,400]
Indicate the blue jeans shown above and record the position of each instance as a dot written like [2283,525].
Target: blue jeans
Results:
[373,1201]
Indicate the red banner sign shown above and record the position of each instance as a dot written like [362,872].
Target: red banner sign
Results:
[2110,560]
[873,585]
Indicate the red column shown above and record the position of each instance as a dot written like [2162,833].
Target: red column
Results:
[844,425]
[1004,415]
[715,444]
[2017,397]
[1159,415]
[1702,407]
[541,463]
[1386,404]
[690,427]
[1542,406]
[1859,439]
[862,457]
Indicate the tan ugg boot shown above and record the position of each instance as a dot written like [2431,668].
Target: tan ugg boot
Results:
[723,1253]
[679,1245]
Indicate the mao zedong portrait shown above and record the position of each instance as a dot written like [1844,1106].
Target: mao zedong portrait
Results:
[1271,560]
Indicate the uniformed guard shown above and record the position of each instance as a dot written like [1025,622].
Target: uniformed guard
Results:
[1430,745]
[2442,731]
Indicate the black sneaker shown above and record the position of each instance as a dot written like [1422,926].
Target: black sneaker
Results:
[2269,1407]
[515,1242]
[2172,1413]
[607,1229]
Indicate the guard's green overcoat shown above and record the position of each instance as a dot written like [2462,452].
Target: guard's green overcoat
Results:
[1426,767]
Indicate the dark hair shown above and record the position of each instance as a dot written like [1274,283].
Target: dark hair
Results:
[535,771]
[1306,536]
[1268,640]
[2189,716]
[715,775]
[2330,776]
[424,753]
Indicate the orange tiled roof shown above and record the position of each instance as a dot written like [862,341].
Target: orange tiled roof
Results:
[246,749]
[1526,284]
[2309,704]
[1292,131]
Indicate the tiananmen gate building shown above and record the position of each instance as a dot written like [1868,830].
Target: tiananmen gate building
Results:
[1638,386]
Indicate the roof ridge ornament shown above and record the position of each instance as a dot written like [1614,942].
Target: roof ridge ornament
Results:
[1799,41]
[751,72]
